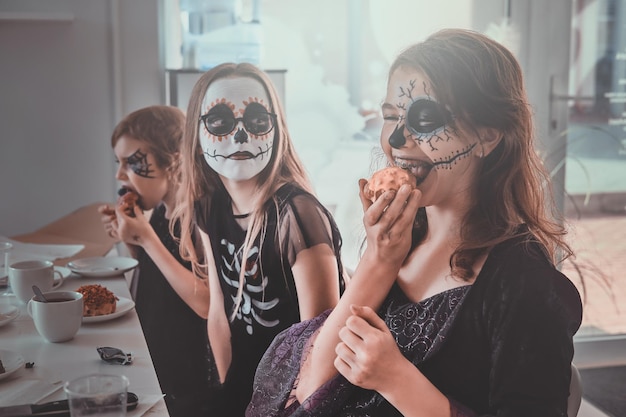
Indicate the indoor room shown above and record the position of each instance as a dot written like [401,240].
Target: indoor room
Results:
[73,69]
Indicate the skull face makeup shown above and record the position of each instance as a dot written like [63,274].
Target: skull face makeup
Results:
[236,128]
[420,134]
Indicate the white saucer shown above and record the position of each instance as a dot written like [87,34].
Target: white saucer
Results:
[124,305]
[109,266]
[8,313]
[11,361]
[65,272]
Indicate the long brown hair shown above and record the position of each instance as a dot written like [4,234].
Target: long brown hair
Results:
[481,82]
[199,180]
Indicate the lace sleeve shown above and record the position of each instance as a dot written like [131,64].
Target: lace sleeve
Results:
[306,223]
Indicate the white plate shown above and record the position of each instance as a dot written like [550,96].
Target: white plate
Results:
[65,272]
[99,266]
[11,361]
[8,313]
[124,305]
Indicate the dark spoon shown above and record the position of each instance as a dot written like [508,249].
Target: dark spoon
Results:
[39,294]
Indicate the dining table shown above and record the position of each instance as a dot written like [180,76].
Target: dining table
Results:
[47,366]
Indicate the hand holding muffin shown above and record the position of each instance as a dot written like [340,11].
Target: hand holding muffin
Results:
[389,178]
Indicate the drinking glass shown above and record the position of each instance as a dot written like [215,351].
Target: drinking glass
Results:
[97,395]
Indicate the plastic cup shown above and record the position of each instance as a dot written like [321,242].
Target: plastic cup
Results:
[97,395]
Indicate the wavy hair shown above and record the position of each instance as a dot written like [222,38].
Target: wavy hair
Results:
[199,180]
[481,82]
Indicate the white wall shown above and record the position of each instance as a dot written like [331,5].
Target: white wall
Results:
[63,86]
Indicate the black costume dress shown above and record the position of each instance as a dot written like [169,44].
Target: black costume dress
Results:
[176,336]
[501,346]
[296,221]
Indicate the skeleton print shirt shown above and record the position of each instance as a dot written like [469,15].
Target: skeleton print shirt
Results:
[296,220]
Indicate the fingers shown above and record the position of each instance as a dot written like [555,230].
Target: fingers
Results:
[351,335]
[106,210]
[390,203]
[368,318]
[120,211]
[111,229]
[137,210]
[398,204]
[365,202]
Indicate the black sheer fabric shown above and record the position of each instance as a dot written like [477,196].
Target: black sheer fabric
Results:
[502,346]
[296,221]
[176,336]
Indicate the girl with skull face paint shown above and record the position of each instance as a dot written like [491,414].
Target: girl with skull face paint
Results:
[271,250]
[170,300]
[456,307]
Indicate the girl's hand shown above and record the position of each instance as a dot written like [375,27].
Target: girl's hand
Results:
[367,354]
[389,222]
[109,220]
[133,230]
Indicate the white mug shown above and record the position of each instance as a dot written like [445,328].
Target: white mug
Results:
[23,275]
[58,319]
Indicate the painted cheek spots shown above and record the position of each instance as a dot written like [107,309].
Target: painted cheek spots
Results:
[138,163]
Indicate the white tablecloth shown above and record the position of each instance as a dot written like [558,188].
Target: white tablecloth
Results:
[55,363]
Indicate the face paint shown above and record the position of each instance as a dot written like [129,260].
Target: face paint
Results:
[426,117]
[420,134]
[138,162]
[221,121]
[236,128]
[138,171]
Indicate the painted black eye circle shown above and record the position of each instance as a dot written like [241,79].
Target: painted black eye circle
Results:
[257,120]
[220,120]
[426,116]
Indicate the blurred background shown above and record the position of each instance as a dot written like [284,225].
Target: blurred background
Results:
[70,69]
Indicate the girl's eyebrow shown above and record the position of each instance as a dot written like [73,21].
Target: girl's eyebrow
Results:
[387,106]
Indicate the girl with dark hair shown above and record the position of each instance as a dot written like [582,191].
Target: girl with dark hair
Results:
[456,307]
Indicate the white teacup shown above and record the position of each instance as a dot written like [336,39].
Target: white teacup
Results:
[23,275]
[59,319]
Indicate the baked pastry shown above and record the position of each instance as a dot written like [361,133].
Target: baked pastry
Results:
[390,178]
[97,300]
[127,200]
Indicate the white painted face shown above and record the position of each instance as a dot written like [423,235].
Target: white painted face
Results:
[240,143]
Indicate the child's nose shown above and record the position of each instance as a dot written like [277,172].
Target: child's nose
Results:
[120,174]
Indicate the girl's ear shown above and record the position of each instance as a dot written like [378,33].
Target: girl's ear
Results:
[489,137]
